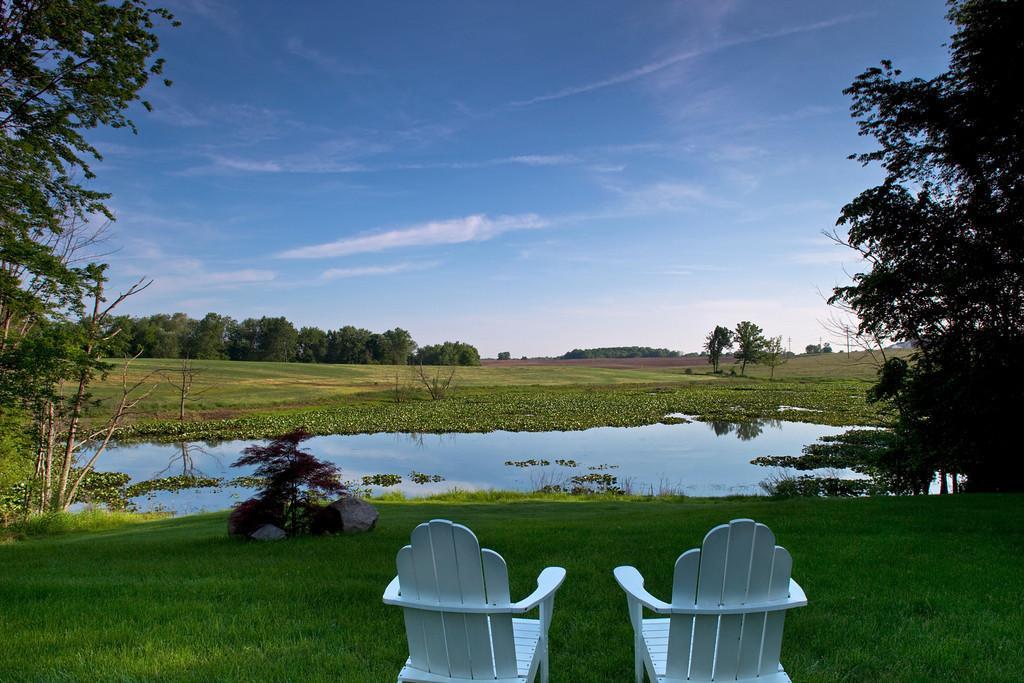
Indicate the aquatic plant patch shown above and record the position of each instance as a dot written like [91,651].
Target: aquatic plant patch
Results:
[541,409]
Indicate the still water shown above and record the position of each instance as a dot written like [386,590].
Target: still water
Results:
[696,459]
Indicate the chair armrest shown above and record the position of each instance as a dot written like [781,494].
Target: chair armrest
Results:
[797,597]
[392,592]
[633,583]
[547,583]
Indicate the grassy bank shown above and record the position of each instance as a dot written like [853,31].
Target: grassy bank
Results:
[900,589]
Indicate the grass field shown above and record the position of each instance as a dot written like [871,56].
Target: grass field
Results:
[900,589]
[255,400]
[230,387]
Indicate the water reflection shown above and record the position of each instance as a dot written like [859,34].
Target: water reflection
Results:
[183,461]
[745,431]
[686,457]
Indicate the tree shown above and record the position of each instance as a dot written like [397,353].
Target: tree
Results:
[447,353]
[505,355]
[749,338]
[349,345]
[774,354]
[437,385]
[942,238]
[208,338]
[311,346]
[396,347]
[66,66]
[277,341]
[183,380]
[718,340]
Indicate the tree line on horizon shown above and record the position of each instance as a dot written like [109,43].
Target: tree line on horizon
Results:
[620,352]
[276,339]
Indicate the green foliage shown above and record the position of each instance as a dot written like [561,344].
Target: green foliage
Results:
[774,354]
[447,353]
[265,339]
[85,521]
[620,352]
[16,453]
[505,355]
[879,454]
[817,487]
[105,488]
[941,240]
[536,409]
[311,345]
[65,66]
[718,340]
[750,343]
[181,482]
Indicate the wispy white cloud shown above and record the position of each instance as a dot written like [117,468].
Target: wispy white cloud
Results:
[364,271]
[297,47]
[475,228]
[664,196]
[677,58]
[520,160]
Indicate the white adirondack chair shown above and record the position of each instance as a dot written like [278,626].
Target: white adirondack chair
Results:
[729,601]
[458,613]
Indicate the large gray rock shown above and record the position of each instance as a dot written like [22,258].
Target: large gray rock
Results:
[268,532]
[355,515]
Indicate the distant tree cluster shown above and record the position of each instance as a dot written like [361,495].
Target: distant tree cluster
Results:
[448,353]
[620,352]
[814,349]
[751,347]
[216,337]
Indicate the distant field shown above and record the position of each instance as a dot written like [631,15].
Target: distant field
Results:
[230,387]
[237,385]
[858,365]
[236,399]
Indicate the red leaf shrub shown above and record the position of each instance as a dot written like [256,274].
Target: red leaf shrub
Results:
[298,485]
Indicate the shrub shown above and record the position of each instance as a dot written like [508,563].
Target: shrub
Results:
[296,485]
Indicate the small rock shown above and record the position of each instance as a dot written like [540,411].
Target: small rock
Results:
[355,513]
[268,532]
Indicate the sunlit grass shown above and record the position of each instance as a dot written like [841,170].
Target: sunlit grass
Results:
[234,387]
[900,589]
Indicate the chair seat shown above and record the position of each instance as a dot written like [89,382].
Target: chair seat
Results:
[526,633]
[655,632]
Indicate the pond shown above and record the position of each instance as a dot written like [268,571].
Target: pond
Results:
[692,458]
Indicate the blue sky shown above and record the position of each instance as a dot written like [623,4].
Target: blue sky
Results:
[524,176]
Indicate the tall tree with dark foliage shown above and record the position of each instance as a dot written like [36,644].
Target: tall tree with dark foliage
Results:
[943,237]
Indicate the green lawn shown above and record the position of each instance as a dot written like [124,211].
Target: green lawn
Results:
[900,589]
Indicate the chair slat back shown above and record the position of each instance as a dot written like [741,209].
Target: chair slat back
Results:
[444,564]
[738,563]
